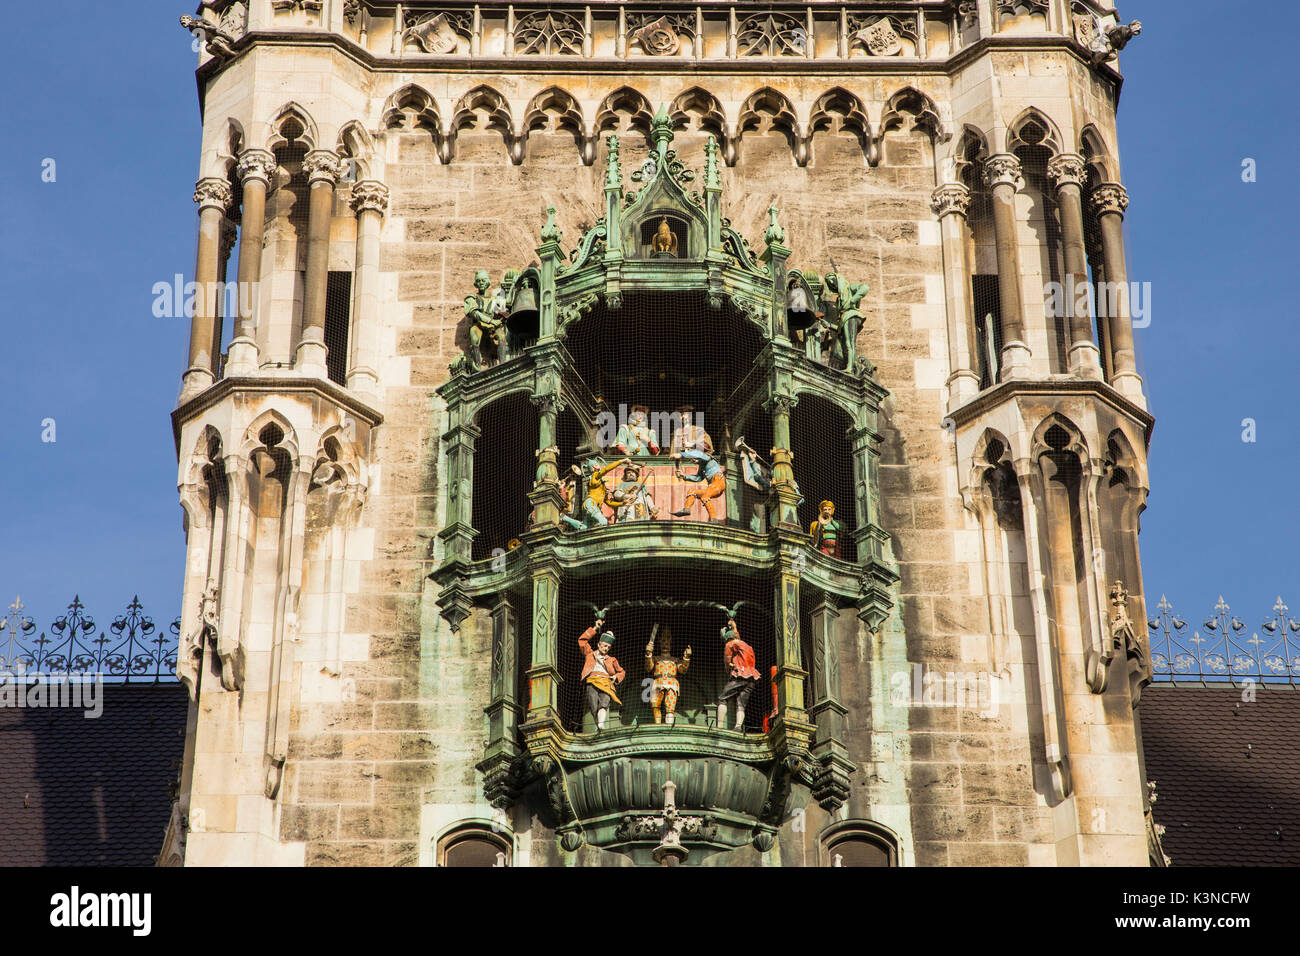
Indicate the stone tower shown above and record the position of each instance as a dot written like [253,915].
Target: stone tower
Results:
[772,255]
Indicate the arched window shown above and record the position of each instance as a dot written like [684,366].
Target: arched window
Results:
[475,844]
[859,843]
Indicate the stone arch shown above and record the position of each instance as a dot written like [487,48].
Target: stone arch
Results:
[356,145]
[1033,128]
[555,110]
[504,466]
[203,485]
[1121,457]
[411,107]
[769,110]
[822,450]
[839,111]
[258,435]
[338,447]
[1034,139]
[920,107]
[220,159]
[1097,155]
[628,102]
[969,152]
[1070,438]
[291,123]
[484,108]
[991,450]
[697,111]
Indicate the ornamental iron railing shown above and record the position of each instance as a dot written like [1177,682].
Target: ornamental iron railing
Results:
[132,650]
[1220,651]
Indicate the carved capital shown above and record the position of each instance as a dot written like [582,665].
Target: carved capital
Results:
[1003,169]
[370,195]
[214,192]
[256,164]
[781,404]
[548,403]
[1067,169]
[1110,198]
[322,165]
[950,198]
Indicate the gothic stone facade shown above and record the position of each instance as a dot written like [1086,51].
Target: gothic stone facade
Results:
[370,686]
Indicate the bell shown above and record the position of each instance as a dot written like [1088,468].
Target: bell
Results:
[798,309]
[524,319]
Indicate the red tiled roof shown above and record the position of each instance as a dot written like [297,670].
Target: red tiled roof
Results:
[1227,773]
[90,792]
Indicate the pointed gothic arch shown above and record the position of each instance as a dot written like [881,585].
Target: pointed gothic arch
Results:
[293,124]
[769,110]
[839,111]
[624,102]
[556,110]
[1033,128]
[484,108]
[911,105]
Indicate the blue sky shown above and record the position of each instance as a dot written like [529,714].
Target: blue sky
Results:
[95,512]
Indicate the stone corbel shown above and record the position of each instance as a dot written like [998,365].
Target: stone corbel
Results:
[1123,638]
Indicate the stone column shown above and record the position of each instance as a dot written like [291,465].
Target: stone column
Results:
[322,167]
[370,202]
[213,196]
[229,233]
[787,491]
[1110,200]
[255,169]
[1066,172]
[1002,172]
[951,203]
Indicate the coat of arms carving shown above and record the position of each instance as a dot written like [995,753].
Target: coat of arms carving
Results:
[659,37]
[880,38]
[435,35]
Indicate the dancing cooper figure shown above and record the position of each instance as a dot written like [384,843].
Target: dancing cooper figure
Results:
[601,672]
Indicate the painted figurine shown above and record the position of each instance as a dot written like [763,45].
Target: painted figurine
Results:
[485,323]
[635,436]
[738,658]
[825,530]
[592,514]
[665,668]
[630,499]
[688,435]
[754,471]
[601,671]
[840,338]
[711,474]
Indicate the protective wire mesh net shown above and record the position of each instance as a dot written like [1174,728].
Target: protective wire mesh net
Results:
[338,316]
[671,376]
[1049,289]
